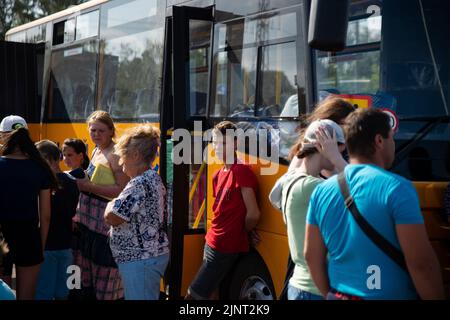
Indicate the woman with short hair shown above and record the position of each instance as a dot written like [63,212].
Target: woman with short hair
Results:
[139,240]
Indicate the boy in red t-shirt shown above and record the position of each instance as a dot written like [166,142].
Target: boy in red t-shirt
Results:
[236,214]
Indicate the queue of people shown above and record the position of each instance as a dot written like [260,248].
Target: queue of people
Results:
[360,234]
[365,237]
[355,230]
[104,215]
[25,198]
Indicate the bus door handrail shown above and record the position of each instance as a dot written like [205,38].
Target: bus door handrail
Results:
[199,215]
[191,196]
[196,181]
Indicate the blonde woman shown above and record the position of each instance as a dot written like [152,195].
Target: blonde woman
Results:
[139,240]
[100,276]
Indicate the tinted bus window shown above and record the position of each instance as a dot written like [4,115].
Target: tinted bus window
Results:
[278,84]
[87,25]
[241,86]
[368,30]
[227,8]
[386,67]
[349,73]
[36,34]
[235,83]
[18,37]
[73,82]
[131,58]
[64,31]
[357,69]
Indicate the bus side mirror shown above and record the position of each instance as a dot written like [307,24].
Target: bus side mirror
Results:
[328,22]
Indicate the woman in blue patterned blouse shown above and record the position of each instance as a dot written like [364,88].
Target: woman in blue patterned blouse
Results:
[139,240]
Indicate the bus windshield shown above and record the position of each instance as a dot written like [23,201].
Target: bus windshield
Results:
[396,58]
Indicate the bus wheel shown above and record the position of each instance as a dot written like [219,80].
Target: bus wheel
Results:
[249,280]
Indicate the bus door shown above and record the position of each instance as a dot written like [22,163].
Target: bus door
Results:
[21,82]
[191,33]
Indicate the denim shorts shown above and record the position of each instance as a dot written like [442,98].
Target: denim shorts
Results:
[214,268]
[142,278]
[298,294]
[52,280]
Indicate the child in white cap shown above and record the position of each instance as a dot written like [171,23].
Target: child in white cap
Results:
[11,123]
[27,181]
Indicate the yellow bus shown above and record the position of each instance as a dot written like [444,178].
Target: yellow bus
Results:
[174,62]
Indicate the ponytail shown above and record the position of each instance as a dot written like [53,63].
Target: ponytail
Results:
[86,162]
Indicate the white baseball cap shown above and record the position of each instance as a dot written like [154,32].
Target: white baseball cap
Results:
[11,123]
[330,126]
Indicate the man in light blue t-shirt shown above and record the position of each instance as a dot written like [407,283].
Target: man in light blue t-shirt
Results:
[357,268]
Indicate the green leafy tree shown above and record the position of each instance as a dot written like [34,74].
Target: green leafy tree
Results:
[52,6]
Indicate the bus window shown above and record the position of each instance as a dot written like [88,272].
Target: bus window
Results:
[135,11]
[36,34]
[235,82]
[415,71]
[268,28]
[368,30]
[199,39]
[409,75]
[64,31]
[18,37]
[87,25]
[227,8]
[131,59]
[278,74]
[255,65]
[357,69]
[32,35]
[349,73]
[73,82]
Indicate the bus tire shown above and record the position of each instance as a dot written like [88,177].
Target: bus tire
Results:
[249,280]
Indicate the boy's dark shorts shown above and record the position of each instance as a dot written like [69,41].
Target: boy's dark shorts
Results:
[24,243]
[214,268]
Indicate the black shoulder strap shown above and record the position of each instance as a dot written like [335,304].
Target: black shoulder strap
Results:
[390,250]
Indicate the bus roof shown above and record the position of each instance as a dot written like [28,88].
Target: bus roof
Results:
[55,16]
